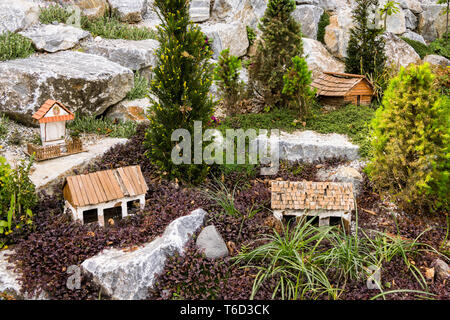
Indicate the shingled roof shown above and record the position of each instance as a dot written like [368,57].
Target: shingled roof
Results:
[40,114]
[337,84]
[306,195]
[104,186]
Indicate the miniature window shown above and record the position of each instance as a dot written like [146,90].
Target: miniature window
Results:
[133,206]
[112,213]
[90,216]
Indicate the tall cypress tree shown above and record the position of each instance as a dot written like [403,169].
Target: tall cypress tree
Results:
[281,41]
[181,83]
[365,52]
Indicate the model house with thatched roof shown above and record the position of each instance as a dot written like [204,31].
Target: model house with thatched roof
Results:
[104,195]
[316,199]
[338,89]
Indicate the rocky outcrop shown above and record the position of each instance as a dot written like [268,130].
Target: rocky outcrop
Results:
[129,10]
[432,21]
[17,15]
[211,242]
[53,38]
[398,52]
[395,23]
[414,36]
[437,60]
[319,59]
[410,20]
[309,17]
[134,55]
[344,174]
[199,10]
[84,82]
[413,5]
[92,8]
[246,11]
[134,110]
[337,33]
[128,275]
[227,35]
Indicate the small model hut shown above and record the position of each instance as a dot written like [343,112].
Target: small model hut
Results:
[105,195]
[337,89]
[52,117]
[304,198]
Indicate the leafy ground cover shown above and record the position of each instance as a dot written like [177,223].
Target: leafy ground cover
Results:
[55,243]
[14,46]
[107,127]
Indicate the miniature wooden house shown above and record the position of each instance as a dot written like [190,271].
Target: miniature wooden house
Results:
[52,117]
[104,195]
[338,89]
[318,199]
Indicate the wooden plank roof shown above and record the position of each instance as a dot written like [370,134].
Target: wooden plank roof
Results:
[337,84]
[307,195]
[40,114]
[105,186]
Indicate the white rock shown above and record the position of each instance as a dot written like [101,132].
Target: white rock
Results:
[134,110]
[319,59]
[414,36]
[432,22]
[199,10]
[231,36]
[337,33]
[129,275]
[413,5]
[249,12]
[344,174]
[83,82]
[131,54]
[17,15]
[212,243]
[437,60]
[129,10]
[92,8]
[395,23]
[410,19]
[398,52]
[309,17]
[53,38]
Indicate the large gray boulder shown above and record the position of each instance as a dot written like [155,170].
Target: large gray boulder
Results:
[129,275]
[92,8]
[319,59]
[83,82]
[414,36]
[126,110]
[249,12]
[17,15]
[395,23]
[211,242]
[437,60]
[53,38]
[337,33]
[432,22]
[199,10]
[414,5]
[398,52]
[129,10]
[411,21]
[309,17]
[131,54]
[231,36]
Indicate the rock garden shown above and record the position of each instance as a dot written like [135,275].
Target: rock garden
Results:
[224,150]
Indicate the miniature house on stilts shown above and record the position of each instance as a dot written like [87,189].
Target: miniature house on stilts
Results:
[104,195]
[316,199]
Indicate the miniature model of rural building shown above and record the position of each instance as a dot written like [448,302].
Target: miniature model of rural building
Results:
[104,195]
[52,117]
[305,198]
[338,89]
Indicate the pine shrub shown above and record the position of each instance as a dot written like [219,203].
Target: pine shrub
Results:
[281,40]
[411,142]
[181,83]
[323,23]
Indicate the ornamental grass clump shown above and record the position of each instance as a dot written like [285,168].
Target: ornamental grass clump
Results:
[411,143]
[181,83]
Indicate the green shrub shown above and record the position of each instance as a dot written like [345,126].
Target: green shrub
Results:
[16,138]
[281,40]
[53,13]
[14,46]
[91,124]
[251,35]
[181,82]
[226,75]
[411,142]
[421,49]
[441,47]
[297,82]
[323,23]
[140,88]
[3,126]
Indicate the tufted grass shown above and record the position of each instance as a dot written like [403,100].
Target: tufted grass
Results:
[106,127]
[140,88]
[14,46]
